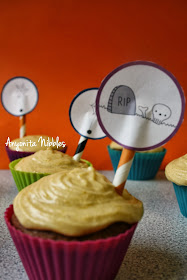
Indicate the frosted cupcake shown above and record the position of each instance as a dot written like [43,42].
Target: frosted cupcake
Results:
[72,206]
[29,169]
[176,172]
[145,164]
[27,145]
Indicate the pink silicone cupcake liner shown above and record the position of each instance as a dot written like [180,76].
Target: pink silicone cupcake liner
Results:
[18,154]
[49,259]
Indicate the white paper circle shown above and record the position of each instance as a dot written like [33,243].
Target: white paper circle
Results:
[83,116]
[140,105]
[19,96]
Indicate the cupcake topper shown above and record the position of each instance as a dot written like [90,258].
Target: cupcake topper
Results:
[19,97]
[84,120]
[139,105]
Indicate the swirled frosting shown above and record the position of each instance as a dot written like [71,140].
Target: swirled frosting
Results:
[34,143]
[75,203]
[47,161]
[115,146]
[176,171]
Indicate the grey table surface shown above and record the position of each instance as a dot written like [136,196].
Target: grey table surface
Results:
[158,249]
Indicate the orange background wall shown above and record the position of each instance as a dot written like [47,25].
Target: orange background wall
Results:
[67,46]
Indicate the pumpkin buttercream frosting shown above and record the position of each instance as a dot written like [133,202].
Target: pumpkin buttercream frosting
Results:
[75,203]
[47,161]
[176,171]
[115,146]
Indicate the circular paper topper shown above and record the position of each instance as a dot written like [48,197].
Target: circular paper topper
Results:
[140,105]
[83,116]
[19,96]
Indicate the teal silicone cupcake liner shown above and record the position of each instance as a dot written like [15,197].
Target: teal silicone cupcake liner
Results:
[144,167]
[23,179]
[181,195]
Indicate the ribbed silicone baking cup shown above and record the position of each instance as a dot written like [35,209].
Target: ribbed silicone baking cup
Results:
[23,179]
[13,155]
[144,167]
[181,195]
[69,260]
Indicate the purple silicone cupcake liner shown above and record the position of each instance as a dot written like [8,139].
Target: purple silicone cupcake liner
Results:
[18,154]
[75,260]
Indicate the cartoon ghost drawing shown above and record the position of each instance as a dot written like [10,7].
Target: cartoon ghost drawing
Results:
[160,112]
[19,98]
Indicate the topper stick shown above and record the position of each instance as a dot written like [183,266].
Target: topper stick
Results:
[128,90]
[89,122]
[22,126]
[123,169]
[80,148]
[84,120]
[19,97]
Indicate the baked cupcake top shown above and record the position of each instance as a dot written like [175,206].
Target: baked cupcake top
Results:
[47,161]
[176,171]
[115,146]
[34,143]
[74,203]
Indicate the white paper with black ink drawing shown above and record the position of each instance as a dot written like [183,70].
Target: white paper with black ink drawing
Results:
[140,106]
[83,116]
[19,96]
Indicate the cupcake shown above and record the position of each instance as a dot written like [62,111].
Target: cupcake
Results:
[145,164]
[28,145]
[27,170]
[176,172]
[72,225]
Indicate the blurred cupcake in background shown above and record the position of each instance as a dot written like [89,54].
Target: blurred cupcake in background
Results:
[145,164]
[176,172]
[30,169]
[28,145]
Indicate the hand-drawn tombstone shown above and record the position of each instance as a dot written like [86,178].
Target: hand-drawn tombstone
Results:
[139,132]
[122,101]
